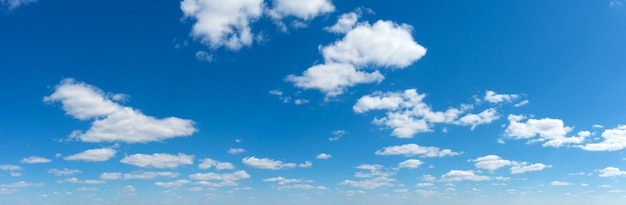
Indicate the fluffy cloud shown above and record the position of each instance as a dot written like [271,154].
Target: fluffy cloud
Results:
[611,172]
[282,180]
[219,23]
[158,160]
[304,9]
[208,163]
[35,160]
[414,149]
[345,23]
[560,183]
[225,179]
[552,132]
[12,168]
[93,155]
[382,44]
[236,150]
[323,156]
[407,114]
[460,175]
[267,163]
[112,121]
[613,140]
[493,97]
[374,178]
[110,176]
[14,4]
[64,172]
[136,175]
[411,163]
[177,183]
[333,78]
[494,162]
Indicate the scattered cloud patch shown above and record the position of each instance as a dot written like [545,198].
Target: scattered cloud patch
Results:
[75,180]
[93,155]
[225,179]
[271,164]
[560,183]
[204,56]
[611,172]
[552,132]
[410,163]
[375,177]
[414,149]
[112,121]
[612,140]
[14,4]
[494,162]
[64,171]
[461,175]
[323,156]
[35,160]
[337,135]
[158,160]
[236,150]
[177,183]
[493,97]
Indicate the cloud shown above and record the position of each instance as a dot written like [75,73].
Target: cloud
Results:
[14,4]
[383,44]
[550,131]
[136,175]
[267,163]
[158,160]
[304,9]
[338,134]
[345,23]
[560,183]
[21,184]
[282,180]
[460,175]
[112,121]
[410,163]
[219,23]
[333,78]
[10,167]
[64,172]
[611,172]
[236,150]
[613,140]
[493,97]
[225,179]
[494,162]
[374,178]
[177,183]
[204,56]
[93,155]
[110,176]
[35,160]
[75,180]
[208,163]
[414,149]
[484,117]
[616,3]
[323,156]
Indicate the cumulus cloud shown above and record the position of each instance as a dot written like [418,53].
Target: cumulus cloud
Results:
[110,176]
[407,113]
[286,184]
[177,183]
[323,156]
[494,162]
[64,171]
[560,183]
[35,160]
[612,140]
[522,167]
[21,184]
[345,23]
[219,23]
[112,121]
[493,97]
[208,163]
[373,178]
[271,164]
[611,172]
[225,179]
[414,149]
[410,163]
[383,44]
[158,160]
[461,175]
[14,4]
[552,132]
[93,155]
[236,150]
[304,9]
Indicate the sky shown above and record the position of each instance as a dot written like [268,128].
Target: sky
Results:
[312,102]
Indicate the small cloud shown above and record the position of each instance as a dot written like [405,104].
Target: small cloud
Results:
[204,56]
[337,135]
[560,183]
[236,150]
[34,160]
[323,156]
[616,3]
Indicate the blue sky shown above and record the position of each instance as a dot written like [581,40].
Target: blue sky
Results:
[312,102]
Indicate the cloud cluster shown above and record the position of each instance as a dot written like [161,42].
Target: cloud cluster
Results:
[158,160]
[461,175]
[375,177]
[112,121]
[494,162]
[414,149]
[271,164]
[93,155]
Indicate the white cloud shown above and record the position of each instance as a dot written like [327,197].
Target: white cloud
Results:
[158,160]
[224,165]
[520,104]
[410,163]
[333,78]
[282,180]
[323,156]
[613,140]
[374,177]
[383,44]
[301,186]
[219,23]
[493,97]
[236,150]
[10,167]
[484,117]
[460,175]
[149,175]
[35,160]
[177,183]
[491,162]
[611,172]
[306,164]
[21,184]
[129,188]
[560,183]
[345,23]
[226,179]
[93,155]
[75,180]
[424,184]
[267,163]
[338,134]
[208,163]
[550,131]
[204,56]
[110,175]
[414,149]
[519,168]
[14,4]
[112,121]
[304,9]
[64,172]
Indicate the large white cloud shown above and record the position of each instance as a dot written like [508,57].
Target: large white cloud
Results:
[461,175]
[552,132]
[611,172]
[93,155]
[613,140]
[158,160]
[304,9]
[383,44]
[414,149]
[112,121]
[223,23]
